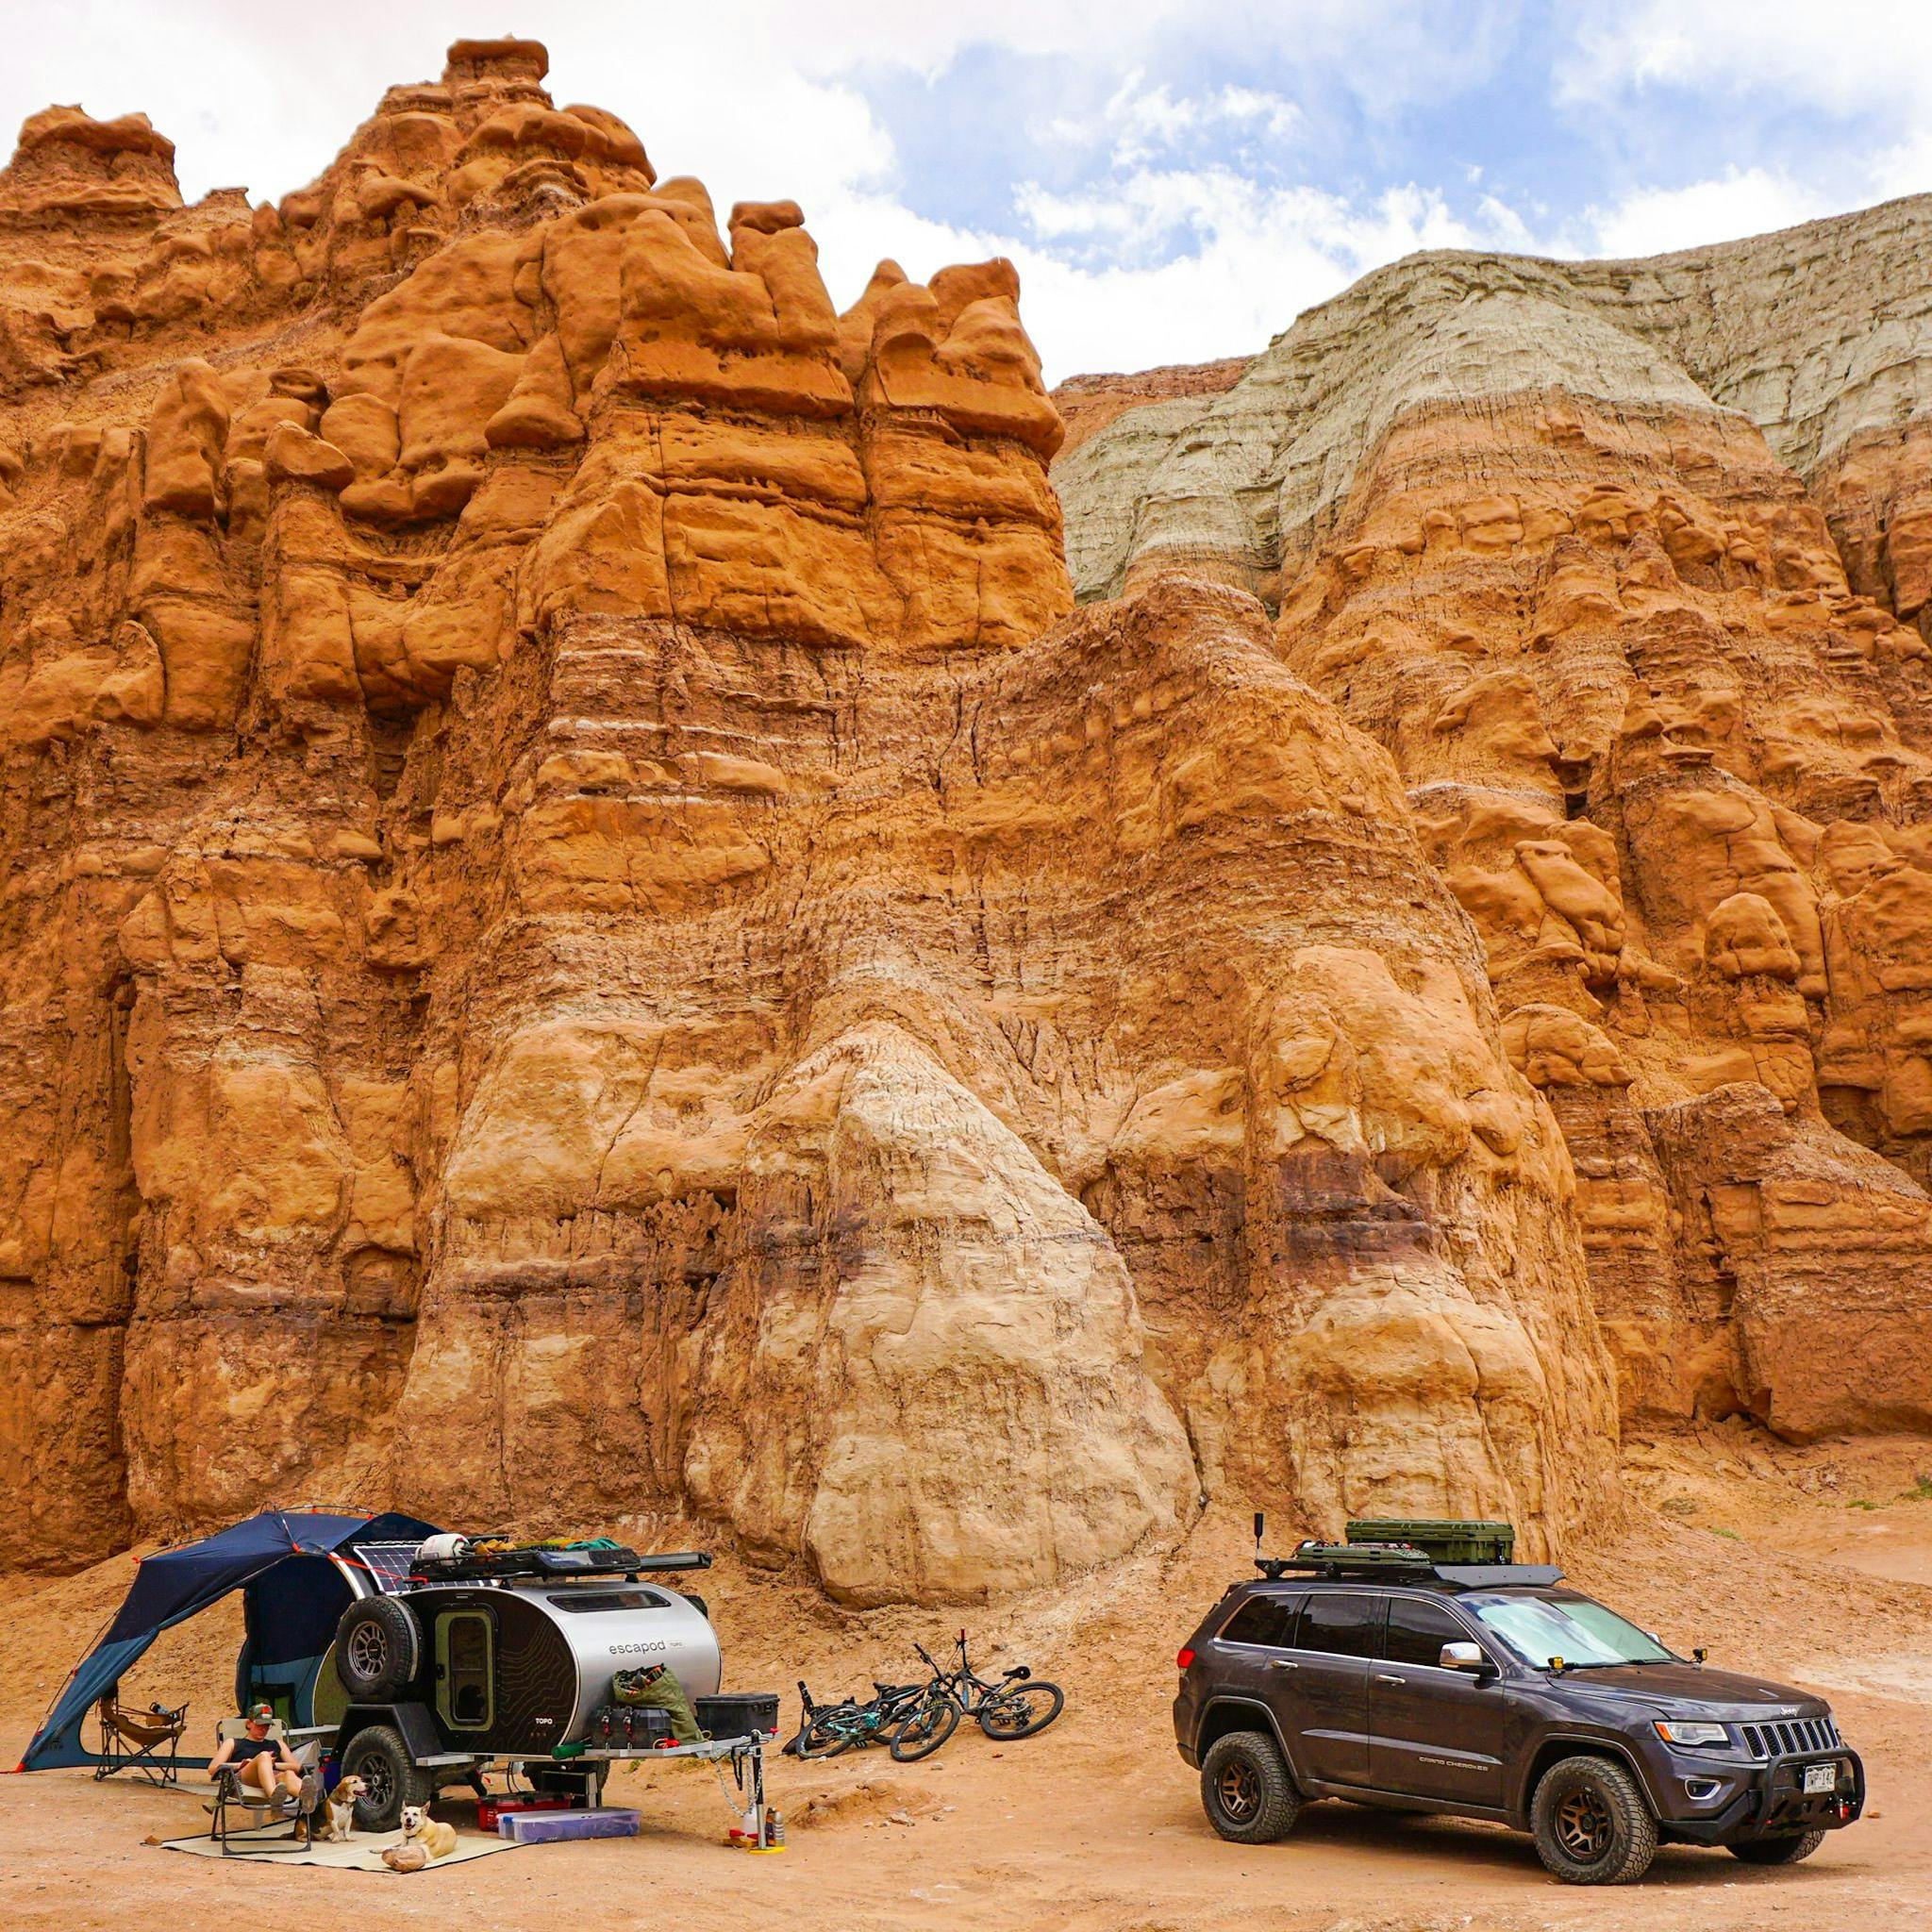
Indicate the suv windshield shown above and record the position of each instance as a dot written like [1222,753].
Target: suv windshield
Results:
[1542,1629]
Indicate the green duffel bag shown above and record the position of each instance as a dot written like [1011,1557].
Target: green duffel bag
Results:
[653,1686]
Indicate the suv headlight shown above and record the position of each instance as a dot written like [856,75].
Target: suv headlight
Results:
[1680,1731]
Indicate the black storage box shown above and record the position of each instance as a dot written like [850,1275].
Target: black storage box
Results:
[626,1727]
[738,1716]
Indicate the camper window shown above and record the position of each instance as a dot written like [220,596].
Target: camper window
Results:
[608,1599]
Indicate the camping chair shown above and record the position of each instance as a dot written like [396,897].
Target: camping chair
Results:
[147,1742]
[231,1796]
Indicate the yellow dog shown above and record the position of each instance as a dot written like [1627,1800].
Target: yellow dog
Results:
[436,1837]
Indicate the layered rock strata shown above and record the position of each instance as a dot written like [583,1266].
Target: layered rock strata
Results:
[584,932]
[1620,563]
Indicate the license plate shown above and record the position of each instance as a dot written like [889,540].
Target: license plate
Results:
[1820,1777]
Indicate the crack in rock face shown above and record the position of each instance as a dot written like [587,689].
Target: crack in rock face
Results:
[589,931]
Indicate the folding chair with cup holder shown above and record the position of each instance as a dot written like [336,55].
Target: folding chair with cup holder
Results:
[147,1742]
[262,1808]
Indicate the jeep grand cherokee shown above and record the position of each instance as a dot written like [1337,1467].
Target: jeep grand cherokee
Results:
[1524,1703]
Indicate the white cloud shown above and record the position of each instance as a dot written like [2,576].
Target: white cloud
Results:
[1251,259]
[1841,57]
[1138,122]
[1654,221]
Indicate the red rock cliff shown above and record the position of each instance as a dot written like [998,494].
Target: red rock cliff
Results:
[583,931]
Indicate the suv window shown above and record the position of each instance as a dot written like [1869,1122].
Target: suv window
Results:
[1268,1620]
[1345,1625]
[1418,1629]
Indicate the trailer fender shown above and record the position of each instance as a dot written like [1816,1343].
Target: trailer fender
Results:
[415,1721]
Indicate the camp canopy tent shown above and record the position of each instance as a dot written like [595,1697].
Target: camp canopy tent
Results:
[287,1561]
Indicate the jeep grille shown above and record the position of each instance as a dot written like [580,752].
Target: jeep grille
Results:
[1791,1738]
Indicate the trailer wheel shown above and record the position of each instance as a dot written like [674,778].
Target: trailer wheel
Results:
[380,1758]
[379,1649]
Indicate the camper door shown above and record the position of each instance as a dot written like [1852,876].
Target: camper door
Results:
[466,1670]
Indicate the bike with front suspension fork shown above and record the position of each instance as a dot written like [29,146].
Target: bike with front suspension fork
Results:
[825,1731]
[1019,1704]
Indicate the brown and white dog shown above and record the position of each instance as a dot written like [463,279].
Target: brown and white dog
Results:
[342,1809]
[436,1837]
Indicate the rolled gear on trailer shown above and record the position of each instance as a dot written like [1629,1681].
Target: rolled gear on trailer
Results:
[655,1687]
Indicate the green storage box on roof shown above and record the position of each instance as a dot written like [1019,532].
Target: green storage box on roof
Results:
[1442,1541]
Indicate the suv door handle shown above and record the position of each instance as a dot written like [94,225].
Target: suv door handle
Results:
[1283,1663]
[1385,1677]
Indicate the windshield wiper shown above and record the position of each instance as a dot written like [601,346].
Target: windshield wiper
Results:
[1607,1663]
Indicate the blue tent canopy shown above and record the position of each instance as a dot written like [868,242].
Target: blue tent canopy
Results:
[294,1595]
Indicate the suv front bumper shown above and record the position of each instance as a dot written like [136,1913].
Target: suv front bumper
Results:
[1773,1803]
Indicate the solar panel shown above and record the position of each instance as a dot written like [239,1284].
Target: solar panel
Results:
[389,1565]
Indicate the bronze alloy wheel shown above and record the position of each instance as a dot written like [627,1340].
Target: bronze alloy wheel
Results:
[1238,1790]
[1584,1825]
[1246,1789]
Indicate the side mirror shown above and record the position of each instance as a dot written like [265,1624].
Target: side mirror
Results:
[1468,1657]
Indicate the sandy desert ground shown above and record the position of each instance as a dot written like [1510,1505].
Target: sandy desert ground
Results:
[1816,1566]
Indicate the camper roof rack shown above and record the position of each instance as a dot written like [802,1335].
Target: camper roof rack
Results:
[554,1563]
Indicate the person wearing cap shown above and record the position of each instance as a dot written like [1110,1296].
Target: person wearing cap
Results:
[260,1761]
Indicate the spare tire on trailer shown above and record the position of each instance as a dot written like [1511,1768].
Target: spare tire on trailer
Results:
[379,1649]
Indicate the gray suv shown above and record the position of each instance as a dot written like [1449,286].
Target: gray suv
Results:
[1493,1692]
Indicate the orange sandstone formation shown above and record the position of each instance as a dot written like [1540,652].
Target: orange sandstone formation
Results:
[583,932]
[1622,566]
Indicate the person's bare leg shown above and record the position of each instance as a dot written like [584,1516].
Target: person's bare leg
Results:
[260,1773]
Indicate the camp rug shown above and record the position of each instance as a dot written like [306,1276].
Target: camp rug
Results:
[362,1853]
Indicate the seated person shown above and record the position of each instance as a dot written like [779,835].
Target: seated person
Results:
[259,1761]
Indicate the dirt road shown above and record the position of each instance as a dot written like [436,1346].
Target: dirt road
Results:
[1095,1825]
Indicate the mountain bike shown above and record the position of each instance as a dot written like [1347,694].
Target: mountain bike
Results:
[825,1731]
[1019,1705]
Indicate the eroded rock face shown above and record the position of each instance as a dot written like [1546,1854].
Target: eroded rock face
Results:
[583,931]
[1617,561]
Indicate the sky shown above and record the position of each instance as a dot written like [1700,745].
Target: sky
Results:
[1177,182]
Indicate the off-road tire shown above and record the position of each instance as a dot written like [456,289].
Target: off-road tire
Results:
[1777,1851]
[1246,1791]
[380,1758]
[924,1730]
[1023,1709]
[1591,1823]
[379,1649]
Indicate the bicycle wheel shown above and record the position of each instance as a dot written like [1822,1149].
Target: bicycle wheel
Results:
[1024,1711]
[925,1731]
[829,1732]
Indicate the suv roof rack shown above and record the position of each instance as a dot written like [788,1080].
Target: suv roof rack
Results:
[1458,1554]
[1401,1564]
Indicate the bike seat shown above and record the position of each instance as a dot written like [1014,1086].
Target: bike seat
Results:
[892,1689]
[1020,1670]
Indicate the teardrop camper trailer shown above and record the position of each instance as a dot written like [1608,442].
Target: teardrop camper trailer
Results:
[474,1659]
